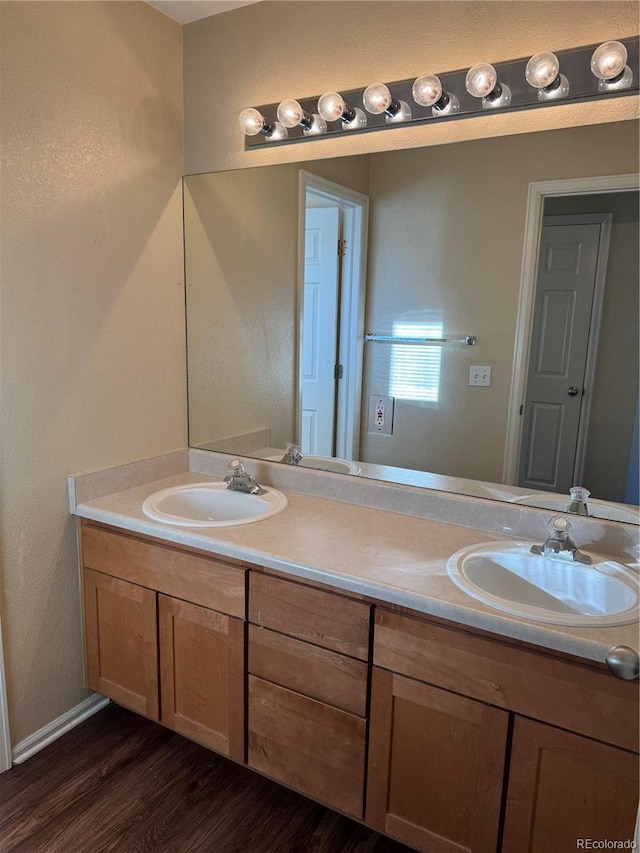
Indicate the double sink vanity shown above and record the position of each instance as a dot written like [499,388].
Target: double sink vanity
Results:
[433,680]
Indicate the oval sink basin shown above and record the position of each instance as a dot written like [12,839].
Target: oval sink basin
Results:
[211,505]
[324,463]
[508,577]
[599,509]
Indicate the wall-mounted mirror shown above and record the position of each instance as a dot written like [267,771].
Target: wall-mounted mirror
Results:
[292,268]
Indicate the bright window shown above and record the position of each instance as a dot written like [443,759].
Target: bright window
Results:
[415,368]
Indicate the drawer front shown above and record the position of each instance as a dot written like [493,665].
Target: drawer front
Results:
[554,691]
[307,745]
[327,620]
[186,576]
[318,673]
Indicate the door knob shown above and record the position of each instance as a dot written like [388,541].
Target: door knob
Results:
[573,391]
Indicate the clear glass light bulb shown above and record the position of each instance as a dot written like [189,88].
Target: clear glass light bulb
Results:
[251,121]
[427,90]
[609,60]
[290,113]
[376,98]
[318,126]
[403,114]
[279,132]
[481,80]
[356,123]
[542,69]
[331,106]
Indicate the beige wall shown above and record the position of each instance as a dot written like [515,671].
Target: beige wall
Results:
[262,53]
[447,228]
[241,256]
[92,302]
[615,389]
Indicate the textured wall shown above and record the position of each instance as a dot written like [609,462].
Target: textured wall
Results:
[92,302]
[263,53]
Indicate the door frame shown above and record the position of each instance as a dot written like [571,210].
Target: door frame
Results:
[537,193]
[355,209]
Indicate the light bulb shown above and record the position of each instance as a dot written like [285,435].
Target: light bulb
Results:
[318,126]
[609,60]
[290,113]
[427,90]
[481,80]
[542,70]
[278,131]
[332,106]
[403,114]
[251,121]
[608,63]
[359,120]
[377,98]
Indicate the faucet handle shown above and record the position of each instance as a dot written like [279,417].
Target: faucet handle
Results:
[560,525]
[235,468]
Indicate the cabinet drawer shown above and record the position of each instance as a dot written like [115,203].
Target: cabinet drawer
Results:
[327,620]
[318,673]
[536,685]
[187,576]
[307,745]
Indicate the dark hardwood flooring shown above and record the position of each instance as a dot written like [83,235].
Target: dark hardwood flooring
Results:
[121,783]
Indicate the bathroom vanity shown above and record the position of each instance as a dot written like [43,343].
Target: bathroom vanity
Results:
[318,649]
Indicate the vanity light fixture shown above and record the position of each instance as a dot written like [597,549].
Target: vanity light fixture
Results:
[377,99]
[543,73]
[253,123]
[333,107]
[428,92]
[291,114]
[482,82]
[607,70]
[609,64]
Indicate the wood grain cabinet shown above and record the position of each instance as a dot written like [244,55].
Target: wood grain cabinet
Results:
[441,770]
[308,681]
[170,659]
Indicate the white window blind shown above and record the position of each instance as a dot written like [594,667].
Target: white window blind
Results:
[414,372]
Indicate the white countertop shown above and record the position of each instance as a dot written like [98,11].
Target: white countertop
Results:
[394,558]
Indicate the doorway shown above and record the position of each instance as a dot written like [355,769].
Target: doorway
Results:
[558,464]
[333,223]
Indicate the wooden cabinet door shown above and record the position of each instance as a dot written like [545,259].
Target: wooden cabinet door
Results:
[564,787]
[202,675]
[436,765]
[307,745]
[121,642]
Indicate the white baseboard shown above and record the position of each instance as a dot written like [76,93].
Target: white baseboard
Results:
[56,728]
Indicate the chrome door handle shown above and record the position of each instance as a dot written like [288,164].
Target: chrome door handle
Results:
[573,391]
[624,662]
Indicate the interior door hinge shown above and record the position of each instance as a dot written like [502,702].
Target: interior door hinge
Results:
[342,248]
[338,371]
[521,408]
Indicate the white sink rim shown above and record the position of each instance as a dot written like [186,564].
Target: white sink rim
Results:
[256,507]
[352,467]
[607,510]
[621,580]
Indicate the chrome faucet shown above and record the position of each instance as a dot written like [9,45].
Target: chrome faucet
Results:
[578,505]
[559,544]
[239,480]
[292,454]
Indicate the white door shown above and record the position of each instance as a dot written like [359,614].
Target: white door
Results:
[320,330]
[558,357]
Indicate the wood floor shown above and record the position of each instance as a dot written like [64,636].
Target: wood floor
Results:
[120,783]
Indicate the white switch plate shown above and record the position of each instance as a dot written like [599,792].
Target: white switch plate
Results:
[480,376]
[380,414]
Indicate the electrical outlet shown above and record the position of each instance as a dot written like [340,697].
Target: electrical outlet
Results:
[380,414]
[480,376]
